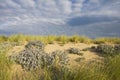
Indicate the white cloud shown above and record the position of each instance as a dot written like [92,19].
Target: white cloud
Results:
[95,1]
[17,12]
[55,8]
[77,6]
[26,3]
[65,6]
[29,20]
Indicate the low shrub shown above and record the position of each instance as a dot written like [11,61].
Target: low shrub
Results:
[30,57]
[34,56]
[74,51]
[60,57]
[108,49]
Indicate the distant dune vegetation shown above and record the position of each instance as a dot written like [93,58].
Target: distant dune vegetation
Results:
[60,39]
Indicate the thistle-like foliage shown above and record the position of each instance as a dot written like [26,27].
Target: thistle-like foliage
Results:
[108,49]
[35,44]
[33,56]
[60,57]
[74,51]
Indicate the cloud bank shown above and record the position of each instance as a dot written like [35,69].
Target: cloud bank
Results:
[17,15]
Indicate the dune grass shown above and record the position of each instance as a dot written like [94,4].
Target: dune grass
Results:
[5,65]
[113,40]
[3,39]
[112,67]
[63,39]
[109,69]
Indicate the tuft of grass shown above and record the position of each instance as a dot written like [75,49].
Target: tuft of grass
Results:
[113,40]
[5,65]
[50,39]
[89,72]
[75,39]
[16,38]
[112,67]
[80,39]
[3,39]
[62,39]
[84,39]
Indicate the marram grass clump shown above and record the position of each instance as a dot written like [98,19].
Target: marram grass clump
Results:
[62,39]
[5,64]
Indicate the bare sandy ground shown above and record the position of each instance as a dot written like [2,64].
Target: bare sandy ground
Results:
[87,55]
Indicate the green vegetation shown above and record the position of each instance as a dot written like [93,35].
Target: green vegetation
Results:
[107,69]
[108,50]
[74,51]
[60,39]
[3,38]
[5,64]
[4,67]
[113,40]
[80,39]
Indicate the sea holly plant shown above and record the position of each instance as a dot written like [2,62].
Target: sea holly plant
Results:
[34,56]
[74,51]
[109,50]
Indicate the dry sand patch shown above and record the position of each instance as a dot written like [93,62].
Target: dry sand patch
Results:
[88,55]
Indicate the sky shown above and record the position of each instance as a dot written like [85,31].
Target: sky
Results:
[92,18]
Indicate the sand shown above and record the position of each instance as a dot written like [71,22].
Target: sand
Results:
[88,55]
